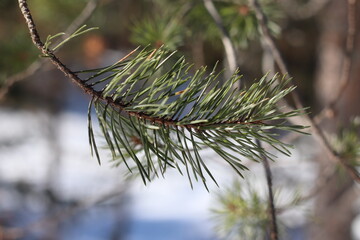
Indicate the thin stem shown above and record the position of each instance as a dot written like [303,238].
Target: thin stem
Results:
[318,133]
[80,19]
[36,65]
[272,211]
[225,38]
[10,81]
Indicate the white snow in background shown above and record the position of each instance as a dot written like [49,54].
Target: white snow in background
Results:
[356,228]
[25,160]
[81,177]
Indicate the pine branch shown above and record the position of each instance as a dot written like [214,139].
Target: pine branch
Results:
[162,116]
[168,126]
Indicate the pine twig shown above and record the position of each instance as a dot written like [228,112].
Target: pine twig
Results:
[149,121]
[36,65]
[272,211]
[225,38]
[318,133]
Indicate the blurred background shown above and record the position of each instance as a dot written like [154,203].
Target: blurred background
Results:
[51,187]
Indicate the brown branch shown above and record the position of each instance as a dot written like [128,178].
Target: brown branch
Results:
[81,18]
[317,132]
[347,64]
[10,81]
[36,65]
[225,38]
[272,212]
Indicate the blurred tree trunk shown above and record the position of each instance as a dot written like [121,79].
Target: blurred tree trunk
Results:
[334,206]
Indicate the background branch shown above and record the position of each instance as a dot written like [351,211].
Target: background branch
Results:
[63,214]
[225,38]
[321,182]
[328,110]
[317,132]
[84,15]
[272,212]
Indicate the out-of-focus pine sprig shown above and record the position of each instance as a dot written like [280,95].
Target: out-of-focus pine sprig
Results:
[180,19]
[347,142]
[163,26]
[240,211]
[158,31]
[241,22]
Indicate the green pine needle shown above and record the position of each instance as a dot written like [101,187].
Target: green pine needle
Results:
[162,118]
